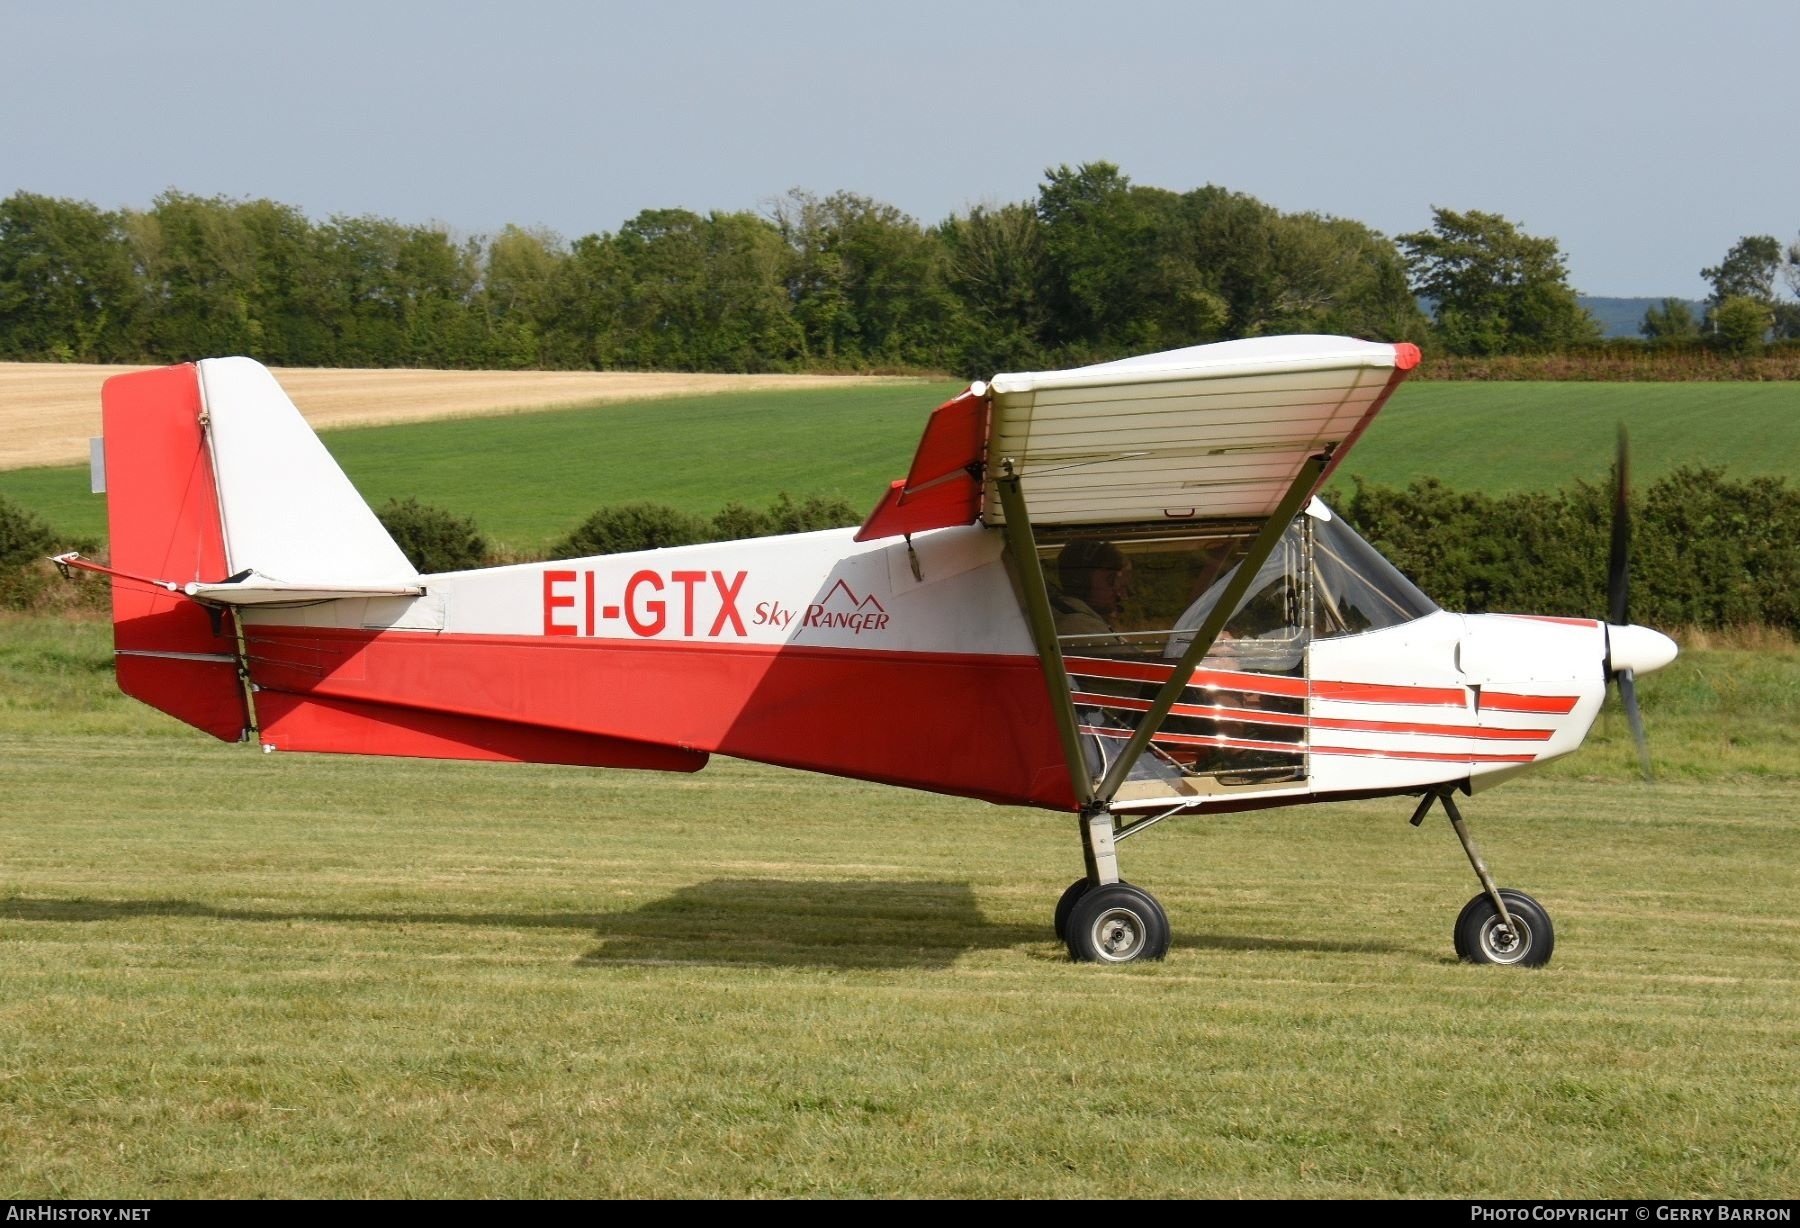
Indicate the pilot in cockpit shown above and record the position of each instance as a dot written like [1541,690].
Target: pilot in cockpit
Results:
[1095,578]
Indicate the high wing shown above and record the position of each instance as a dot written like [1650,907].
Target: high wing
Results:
[1209,431]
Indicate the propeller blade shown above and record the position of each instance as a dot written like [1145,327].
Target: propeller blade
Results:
[1628,696]
[1618,568]
[1618,584]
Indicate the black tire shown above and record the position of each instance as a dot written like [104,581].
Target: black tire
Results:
[1481,937]
[1117,924]
[1066,905]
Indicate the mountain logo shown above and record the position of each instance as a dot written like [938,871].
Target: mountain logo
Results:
[842,609]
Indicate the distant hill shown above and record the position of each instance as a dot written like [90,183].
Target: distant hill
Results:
[1620,317]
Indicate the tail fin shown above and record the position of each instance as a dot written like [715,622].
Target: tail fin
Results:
[289,514]
[218,490]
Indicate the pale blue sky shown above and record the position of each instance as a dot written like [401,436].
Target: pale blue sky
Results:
[1646,137]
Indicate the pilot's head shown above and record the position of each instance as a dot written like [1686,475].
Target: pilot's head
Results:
[1097,572]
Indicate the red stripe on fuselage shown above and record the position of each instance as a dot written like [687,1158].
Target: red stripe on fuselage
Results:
[1427,756]
[1299,748]
[1556,705]
[1138,671]
[1256,716]
[1550,618]
[1273,684]
[1381,693]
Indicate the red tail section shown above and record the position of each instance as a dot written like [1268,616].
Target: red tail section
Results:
[177,655]
[163,521]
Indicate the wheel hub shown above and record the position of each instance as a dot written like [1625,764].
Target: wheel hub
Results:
[1504,944]
[1119,934]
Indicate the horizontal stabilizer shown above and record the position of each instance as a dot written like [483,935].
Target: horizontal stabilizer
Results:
[248,587]
[257,589]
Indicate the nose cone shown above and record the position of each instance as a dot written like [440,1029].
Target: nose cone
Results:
[1637,649]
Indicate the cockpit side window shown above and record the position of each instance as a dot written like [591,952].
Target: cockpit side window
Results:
[1139,592]
[1127,600]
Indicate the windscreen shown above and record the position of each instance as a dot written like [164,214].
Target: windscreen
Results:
[1354,588]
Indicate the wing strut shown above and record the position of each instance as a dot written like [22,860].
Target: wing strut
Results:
[1297,494]
[1042,622]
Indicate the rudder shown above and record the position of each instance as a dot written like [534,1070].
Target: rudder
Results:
[162,511]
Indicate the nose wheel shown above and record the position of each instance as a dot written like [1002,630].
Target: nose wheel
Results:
[1499,926]
[1484,937]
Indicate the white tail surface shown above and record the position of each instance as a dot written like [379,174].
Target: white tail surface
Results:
[288,513]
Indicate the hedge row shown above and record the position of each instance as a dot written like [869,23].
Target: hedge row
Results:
[1707,550]
[438,541]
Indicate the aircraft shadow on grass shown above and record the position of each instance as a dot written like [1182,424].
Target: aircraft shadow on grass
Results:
[852,924]
[859,923]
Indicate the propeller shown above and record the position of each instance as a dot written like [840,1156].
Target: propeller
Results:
[1618,584]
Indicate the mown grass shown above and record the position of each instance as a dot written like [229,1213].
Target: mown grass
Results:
[527,479]
[225,974]
[1715,713]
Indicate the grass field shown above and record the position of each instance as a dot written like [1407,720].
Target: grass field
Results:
[234,975]
[1502,437]
[527,479]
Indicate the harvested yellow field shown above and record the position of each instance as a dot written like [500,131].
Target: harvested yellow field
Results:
[48,411]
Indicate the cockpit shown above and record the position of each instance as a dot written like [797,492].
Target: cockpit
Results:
[1127,601]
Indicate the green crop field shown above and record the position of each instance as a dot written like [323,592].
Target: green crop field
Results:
[1503,437]
[226,974]
[527,479]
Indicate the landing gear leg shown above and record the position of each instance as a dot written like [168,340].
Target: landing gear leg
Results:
[1499,926]
[1101,860]
[1100,918]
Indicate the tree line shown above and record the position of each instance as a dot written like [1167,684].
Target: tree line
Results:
[1095,267]
[1745,307]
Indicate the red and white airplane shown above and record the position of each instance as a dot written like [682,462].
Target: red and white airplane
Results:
[1109,591]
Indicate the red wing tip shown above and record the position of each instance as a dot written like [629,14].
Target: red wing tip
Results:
[873,528]
[1406,356]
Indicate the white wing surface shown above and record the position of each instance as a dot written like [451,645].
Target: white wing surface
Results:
[1209,431]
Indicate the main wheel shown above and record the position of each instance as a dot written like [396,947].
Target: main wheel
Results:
[1066,905]
[1483,938]
[1117,924]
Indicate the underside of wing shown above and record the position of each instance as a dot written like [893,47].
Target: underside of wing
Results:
[1210,431]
